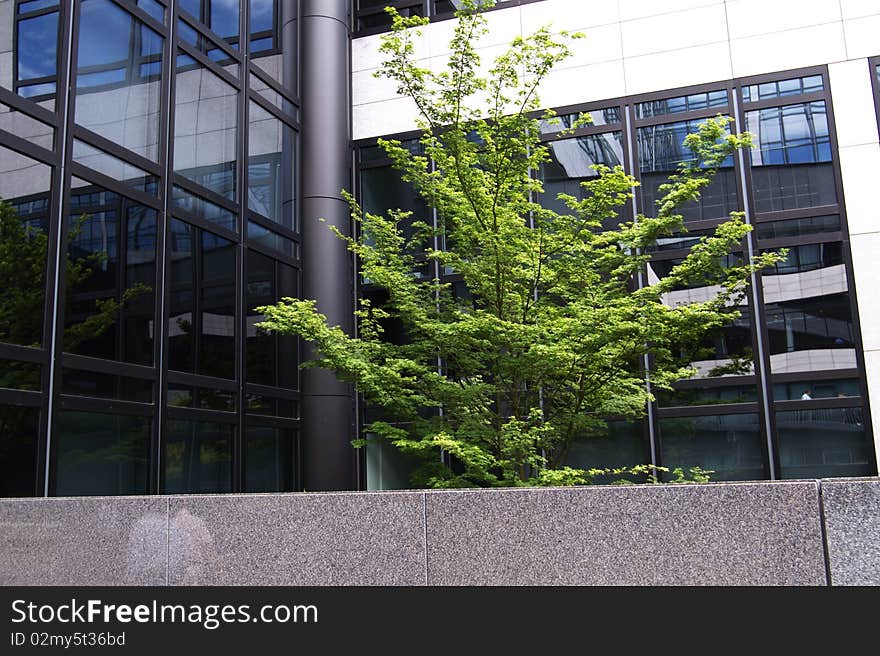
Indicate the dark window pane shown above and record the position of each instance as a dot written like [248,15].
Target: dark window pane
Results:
[807,308]
[205,130]
[271,171]
[203,209]
[571,162]
[182,325]
[817,389]
[20,375]
[661,151]
[271,359]
[198,457]
[679,241]
[269,460]
[381,19]
[382,189]
[730,445]
[823,442]
[725,351]
[24,221]
[217,307]
[110,276]
[260,236]
[605,116]
[185,396]
[798,227]
[78,382]
[258,404]
[201,327]
[388,468]
[746,393]
[101,454]
[791,157]
[792,87]
[19,431]
[679,104]
[620,444]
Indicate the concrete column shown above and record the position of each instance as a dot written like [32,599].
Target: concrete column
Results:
[327,404]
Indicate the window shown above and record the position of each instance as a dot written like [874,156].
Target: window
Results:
[118,77]
[201,327]
[110,275]
[99,453]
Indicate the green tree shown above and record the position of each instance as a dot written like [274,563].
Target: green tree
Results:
[550,336]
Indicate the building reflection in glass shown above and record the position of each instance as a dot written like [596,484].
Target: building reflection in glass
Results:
[807,308]
[571,162]
[791,157]
[729,445]
[110,276]
[661,152]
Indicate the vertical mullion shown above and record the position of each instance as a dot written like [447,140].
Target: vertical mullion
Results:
[238,455]
[64,137]
[756,298]
[163,244]
[632,161]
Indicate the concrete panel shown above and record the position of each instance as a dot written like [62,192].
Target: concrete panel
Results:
[751,17]
[674,31]
[677,68]
[861,36]
[852,525]
[723,534]
[301,539]
[630,9]
[853,99]
[866,271]
[856,8]
[583,84]
[568,15]
[872,374]
[794,48]
[858,165]
[83,541]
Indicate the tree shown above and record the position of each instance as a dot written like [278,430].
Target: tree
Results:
[549,338]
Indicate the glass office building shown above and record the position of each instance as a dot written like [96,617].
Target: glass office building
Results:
[162,166]
[148,168]
[746,415]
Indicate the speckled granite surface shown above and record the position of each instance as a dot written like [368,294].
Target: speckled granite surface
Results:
[298,539]
[714,534]
[736,534]
[83,541]
[852,525]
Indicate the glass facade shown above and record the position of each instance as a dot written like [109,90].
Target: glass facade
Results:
[780,391]
[149,177]
[145,214]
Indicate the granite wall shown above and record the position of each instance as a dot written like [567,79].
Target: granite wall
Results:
[781,533]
